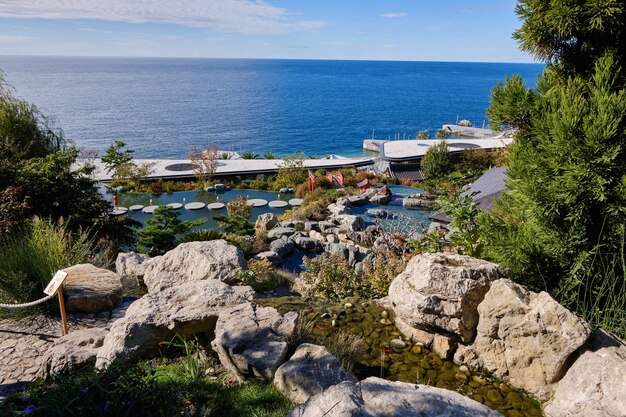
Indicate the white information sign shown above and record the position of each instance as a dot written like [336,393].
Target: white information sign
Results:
[55,283]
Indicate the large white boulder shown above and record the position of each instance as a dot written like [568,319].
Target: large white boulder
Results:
[89,289]
[252,341]
[595,385]
[375,397]
[441,292]
[72,350]
[131,265]
[187,309]
[525,337]
[195,261]
[310,371]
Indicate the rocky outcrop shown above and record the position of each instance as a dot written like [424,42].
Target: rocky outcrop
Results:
[375,397]
[595,385]
[441,292]
[278,232]
[89,289]
[187,309]
[350,222]
[338,209]
[252,341]
[310,371]
[72,350]
[271,256]
[131,265]
[524,337]
[283,247]
[381,199]
[265,222]
[195,261]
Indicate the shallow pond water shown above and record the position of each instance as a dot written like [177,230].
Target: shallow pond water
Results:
[398,215]
[406,361]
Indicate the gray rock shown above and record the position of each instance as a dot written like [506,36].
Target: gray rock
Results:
[343,201]
[595,385]
[311,226]
[442,291]
[524,337]
[195,261]
[358,200]
[131,265]
[350,223]
[278,232]
[325,225]
[381,199]
[336,209]
[283,247]
[265,222]
[89,289]
[375,397]
[287,224]
[306,244]
[271,256]
[252,341]
[187,309]
[317,236]
[71,351]
[337,249]
[310,371]
[376,213]
[332,238]
[444,346]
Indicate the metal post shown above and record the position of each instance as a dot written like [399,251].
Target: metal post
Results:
[62,307]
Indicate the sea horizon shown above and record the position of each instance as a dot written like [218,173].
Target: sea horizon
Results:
[161,107]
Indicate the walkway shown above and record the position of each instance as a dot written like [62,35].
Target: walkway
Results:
[182,168]
[407,150]
[24,341]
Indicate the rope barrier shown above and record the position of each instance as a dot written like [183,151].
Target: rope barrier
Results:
[24,305]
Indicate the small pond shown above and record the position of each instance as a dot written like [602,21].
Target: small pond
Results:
[398,216]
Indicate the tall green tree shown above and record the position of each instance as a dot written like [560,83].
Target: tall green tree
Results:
[561,224]
[117,159]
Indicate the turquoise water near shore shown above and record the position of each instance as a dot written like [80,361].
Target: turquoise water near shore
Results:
[162,107]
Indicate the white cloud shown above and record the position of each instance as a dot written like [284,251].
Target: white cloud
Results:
[235,16]
[393,15]
[94,30]
[16,39]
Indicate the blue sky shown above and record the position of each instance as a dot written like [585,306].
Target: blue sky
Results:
[417,30]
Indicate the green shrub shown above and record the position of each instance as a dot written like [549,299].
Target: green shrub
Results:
[239,207]
[331,277]
[200,236]
[161,230]
[346,347]
[437,162]
[378,275]
[28,261]
[235,225]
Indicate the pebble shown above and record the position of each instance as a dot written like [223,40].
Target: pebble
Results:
[334,323]
[348,305]
[325,316]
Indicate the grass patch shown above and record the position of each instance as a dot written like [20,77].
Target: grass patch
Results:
[181,387]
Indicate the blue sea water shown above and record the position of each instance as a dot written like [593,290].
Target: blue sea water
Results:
[161,107]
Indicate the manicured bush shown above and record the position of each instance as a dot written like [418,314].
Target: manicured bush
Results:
[437,162]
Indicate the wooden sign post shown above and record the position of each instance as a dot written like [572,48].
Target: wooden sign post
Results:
[56,285]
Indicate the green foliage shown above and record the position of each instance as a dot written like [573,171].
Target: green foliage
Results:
[572,34]
[29,261]
[423,134]
[236,225]
[203,235]
[269,155]
[116,159]
[260,276]
[437,162]
[174,387]
[475,161]
[511,104]
[249,155]
[25,132]
[346,347]
[159,234]
[442,134]
[331,277]
[239,207]
[379,273]
[466,234]
[291,172]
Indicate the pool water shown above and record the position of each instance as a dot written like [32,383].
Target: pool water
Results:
[398,216]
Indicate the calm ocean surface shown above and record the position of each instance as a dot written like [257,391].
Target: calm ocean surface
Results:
[162,107]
